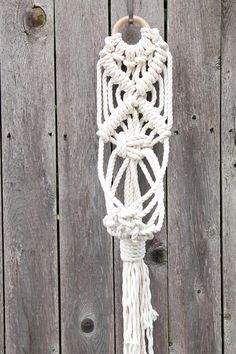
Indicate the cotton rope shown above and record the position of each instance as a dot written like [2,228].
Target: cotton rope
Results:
[134,114]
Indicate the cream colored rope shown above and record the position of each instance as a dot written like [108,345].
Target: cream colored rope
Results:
[134,114]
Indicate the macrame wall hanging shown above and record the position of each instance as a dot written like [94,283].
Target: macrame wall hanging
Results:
[134,114]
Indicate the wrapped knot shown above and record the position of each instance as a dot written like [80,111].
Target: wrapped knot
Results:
[127,224]
[131,251]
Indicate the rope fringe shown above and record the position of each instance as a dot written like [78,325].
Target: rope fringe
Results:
[134,114]
[138,313]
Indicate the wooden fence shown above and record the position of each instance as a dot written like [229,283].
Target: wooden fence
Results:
[60,274]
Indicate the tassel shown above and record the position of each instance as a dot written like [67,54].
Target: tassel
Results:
[138,314]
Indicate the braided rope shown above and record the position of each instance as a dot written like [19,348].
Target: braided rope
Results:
[134,114]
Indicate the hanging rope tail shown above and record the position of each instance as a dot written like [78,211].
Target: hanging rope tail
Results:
[134,114]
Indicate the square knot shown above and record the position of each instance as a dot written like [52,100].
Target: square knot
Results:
[131,251]
[127,224]
[132,146]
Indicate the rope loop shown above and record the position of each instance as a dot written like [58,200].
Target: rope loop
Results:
[134,114]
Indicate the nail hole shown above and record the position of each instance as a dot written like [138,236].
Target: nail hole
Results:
[50,134]
[230,131]
[194,117]
[235,164]
[65,136]
[227,316]
[199,291]
[9,135]
[212,130]
[170,344]
[87,325]
[176,132]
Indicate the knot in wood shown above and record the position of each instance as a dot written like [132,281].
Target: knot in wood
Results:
[36,17]
[87,325]
[159,255]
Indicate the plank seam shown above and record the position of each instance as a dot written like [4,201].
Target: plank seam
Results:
[113,242]
[165,5]
[57,183]
[2,230]
[221,199]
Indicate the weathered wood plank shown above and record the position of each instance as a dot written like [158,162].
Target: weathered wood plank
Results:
[228,138]
[194,179]
[29,178]
[156,250]
[1,260]
[85,248]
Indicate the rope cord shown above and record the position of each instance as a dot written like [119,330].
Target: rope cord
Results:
[134,114]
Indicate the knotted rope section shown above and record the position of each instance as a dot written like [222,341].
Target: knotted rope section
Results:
[134,114]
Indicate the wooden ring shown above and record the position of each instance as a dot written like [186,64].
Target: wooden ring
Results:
[122,21]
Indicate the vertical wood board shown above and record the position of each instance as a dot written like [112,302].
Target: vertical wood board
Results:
[29,179]
[86,261]
[228,139]
[2,335]
[194,179]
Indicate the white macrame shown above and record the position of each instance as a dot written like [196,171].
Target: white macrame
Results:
[134,113]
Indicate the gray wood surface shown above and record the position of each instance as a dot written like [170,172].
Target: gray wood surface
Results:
[1,266]
[156,250]
[62,273]
[29,178]
[85,248]
[194,179]
[228,138]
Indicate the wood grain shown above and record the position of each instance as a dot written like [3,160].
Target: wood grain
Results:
[186,275]
[2,335]
[228,139]
[194,179]
[156,250]
[85,248]
[29,179]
